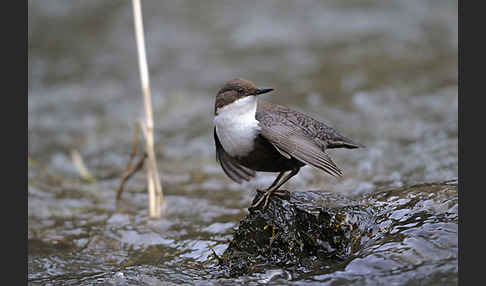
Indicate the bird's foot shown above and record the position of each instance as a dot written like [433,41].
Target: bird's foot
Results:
[280,193]
[266,196]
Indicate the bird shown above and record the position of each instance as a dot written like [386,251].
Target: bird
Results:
[252,135]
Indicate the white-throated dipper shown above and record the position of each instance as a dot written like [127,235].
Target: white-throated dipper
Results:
[255,135]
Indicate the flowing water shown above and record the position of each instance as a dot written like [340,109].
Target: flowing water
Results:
[382,72]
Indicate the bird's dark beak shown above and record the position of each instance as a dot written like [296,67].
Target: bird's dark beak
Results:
[263,90]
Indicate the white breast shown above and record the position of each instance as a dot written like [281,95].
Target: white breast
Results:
[236,126]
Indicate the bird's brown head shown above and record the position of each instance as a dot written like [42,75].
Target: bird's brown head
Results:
[235,89]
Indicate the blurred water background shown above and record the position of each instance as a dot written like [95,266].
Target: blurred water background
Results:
[382,72]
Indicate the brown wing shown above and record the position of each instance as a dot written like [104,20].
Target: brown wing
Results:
[324,135]
[294,143]
[231,168]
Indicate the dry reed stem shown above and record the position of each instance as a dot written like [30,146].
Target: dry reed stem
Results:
[128,174]
[80,166]
[153,181]
[134,146]
[129,171]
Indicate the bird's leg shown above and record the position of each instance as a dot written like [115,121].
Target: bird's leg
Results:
[274,188]
[274,182]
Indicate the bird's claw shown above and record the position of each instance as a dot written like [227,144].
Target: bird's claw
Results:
[266,197]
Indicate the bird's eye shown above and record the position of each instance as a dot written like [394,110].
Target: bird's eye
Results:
[240,89]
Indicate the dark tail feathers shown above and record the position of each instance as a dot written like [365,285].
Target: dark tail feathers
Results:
[343,142]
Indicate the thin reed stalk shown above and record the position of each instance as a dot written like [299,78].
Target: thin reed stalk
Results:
[153,180]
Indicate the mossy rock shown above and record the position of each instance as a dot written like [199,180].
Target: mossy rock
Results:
[298,231]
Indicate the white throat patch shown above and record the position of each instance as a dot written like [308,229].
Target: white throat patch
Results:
[236,126]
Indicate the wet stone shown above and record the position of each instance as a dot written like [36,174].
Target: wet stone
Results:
[323,232]
[298,231]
